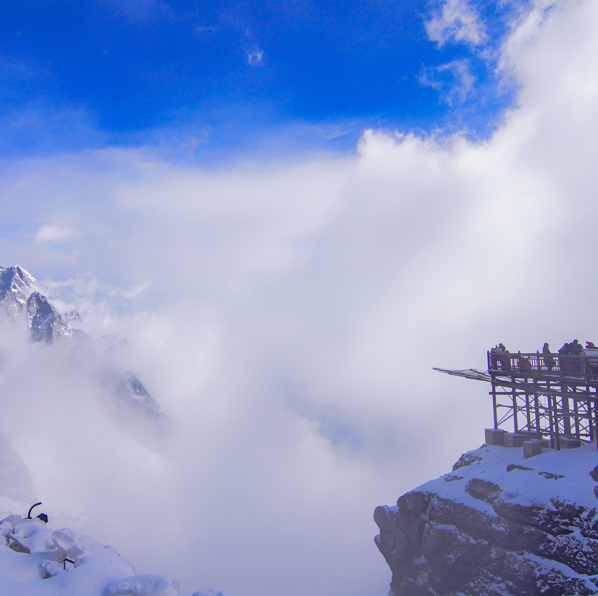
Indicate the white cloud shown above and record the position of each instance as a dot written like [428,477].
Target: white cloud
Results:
[459,22]
[200,29]
[294,312]
[255,57]
[454,81]
[50,233]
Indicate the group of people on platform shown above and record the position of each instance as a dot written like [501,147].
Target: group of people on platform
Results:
[501,358]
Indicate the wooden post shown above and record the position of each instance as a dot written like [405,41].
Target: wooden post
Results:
[565,406]
[576,413]
[515,426]
[551,424]
[495,406]
[557,438]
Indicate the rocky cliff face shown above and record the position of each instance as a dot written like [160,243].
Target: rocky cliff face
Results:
[497,525]
[44,321]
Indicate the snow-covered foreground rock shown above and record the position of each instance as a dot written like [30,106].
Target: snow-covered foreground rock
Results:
[498,524]
[38,561]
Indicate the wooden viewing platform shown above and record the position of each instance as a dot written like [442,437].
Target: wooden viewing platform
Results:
[551,395]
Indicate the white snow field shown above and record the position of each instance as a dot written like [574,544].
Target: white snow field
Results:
[36,560]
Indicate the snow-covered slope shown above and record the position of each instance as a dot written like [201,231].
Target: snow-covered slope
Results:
[36,560]
[498,524]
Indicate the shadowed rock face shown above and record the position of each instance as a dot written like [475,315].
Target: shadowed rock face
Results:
[474,536]
[15,480]
[45,322]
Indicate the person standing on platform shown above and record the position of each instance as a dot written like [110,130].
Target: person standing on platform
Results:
[575,348]
[548,357]
[496,356]
[506,358]
[564,360]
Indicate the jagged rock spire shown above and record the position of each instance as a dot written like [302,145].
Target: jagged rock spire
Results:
[44,321]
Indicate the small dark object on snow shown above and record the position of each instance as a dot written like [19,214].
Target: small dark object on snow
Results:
[41,516]
[512,467]
[31,509]
[64,563]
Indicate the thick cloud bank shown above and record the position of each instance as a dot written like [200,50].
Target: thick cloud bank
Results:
[287,317]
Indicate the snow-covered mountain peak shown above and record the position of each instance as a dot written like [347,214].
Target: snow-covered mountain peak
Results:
[22,301]
[16,279]
[16,285]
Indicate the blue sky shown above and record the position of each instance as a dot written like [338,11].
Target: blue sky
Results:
[219,78]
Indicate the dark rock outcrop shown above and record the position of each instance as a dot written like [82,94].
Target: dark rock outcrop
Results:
[502,529]
[45,322]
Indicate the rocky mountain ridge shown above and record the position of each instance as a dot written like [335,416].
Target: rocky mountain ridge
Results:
[498,524]
[23,303]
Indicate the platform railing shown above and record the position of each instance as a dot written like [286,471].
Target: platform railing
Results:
[540,365]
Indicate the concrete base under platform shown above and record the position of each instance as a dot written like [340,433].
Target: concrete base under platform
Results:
[534,447]
[530,434]
[532,441]
[495,436]
[517,439]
